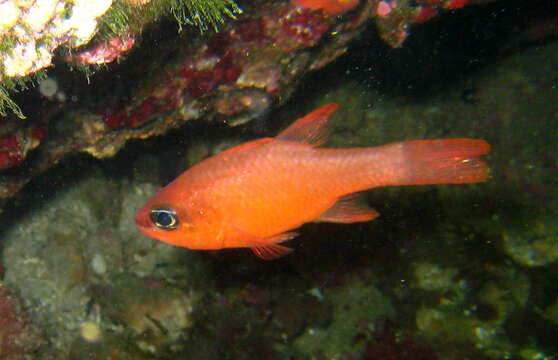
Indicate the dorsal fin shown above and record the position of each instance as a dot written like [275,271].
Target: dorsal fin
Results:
[247,145]
[311,129]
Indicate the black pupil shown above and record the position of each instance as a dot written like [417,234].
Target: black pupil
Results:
[164,218]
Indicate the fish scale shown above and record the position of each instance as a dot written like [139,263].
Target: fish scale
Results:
[253,195]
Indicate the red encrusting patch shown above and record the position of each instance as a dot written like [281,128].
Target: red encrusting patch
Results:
[425,13]
[218,45]
[383,9]
[10,151]
[225,58]
[146,108]
[125,118]
[245,34]
[427,9]
[252,31]
[201,82]
[116,120]
[456,4]
[39,132]
[9,143]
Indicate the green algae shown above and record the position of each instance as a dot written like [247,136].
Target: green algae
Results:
[15,85]
[122,18]
[204,13]
[7,43]
[8,105]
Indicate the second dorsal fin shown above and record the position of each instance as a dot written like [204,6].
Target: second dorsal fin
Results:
[311,129]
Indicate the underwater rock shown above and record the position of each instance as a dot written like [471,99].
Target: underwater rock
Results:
[356,305]
[433,277]
[19,339]
[535,246]
[234,76]
[472,315]
[153,312]
[435,259]
[31,32]
[387,343]
[63,250]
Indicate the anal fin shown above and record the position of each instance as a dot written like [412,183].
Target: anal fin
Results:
[349,209]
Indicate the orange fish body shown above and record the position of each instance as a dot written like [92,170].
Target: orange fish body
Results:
[254,194]
[331,7]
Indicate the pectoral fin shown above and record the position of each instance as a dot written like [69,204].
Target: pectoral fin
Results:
[349,209]
[270,250]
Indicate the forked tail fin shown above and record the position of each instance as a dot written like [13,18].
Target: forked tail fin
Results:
[450,161]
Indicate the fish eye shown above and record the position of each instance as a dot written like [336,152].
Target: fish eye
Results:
[165,219]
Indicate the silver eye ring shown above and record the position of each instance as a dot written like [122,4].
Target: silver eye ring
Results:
[165,219]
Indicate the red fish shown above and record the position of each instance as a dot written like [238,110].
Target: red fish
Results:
[331,7]
[253,195]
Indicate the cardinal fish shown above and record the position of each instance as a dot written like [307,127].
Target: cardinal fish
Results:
[253,195]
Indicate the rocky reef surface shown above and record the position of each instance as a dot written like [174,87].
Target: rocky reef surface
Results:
[144,71]
[446,272]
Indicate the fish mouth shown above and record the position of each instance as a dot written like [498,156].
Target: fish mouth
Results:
[142,220]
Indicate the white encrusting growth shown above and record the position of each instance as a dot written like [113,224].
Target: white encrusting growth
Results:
[39,27]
